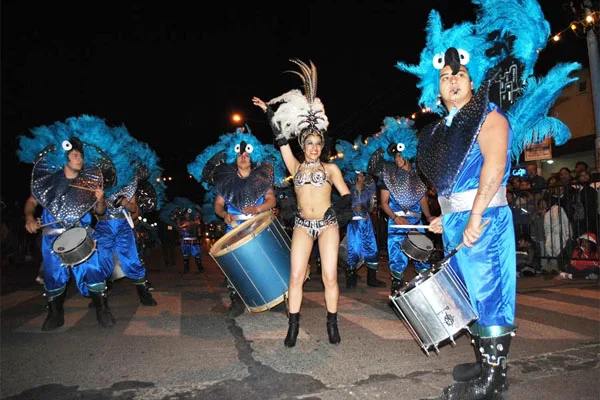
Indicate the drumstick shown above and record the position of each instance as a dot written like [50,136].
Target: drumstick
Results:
[453,252]
[52,223]
[410,226]
[82,187]
[463,243]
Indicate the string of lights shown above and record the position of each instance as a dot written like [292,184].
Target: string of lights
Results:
[579,27]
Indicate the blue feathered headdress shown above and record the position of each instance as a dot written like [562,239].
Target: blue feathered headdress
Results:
[227,149]
[178,208]
[516,28]
[123,150]
[397,134]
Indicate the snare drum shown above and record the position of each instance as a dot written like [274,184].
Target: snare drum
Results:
[74,246]
[255,258]
[436,307]
[417,246]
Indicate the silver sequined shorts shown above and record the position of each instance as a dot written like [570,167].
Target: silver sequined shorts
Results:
[314,227]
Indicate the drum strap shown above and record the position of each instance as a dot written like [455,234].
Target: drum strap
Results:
[463,201]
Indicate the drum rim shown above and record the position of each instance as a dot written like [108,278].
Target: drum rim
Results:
[69,230]
[91,253]
[218,250]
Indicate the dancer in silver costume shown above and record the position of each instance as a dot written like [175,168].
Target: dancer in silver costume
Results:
[303,116]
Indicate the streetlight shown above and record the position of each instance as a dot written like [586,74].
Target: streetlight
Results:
[237,118]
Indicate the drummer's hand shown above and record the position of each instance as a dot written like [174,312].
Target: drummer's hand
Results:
[99,194]
[228,218]
[398,220]
[435,225]
[32,225]
[472,230]
[251,210]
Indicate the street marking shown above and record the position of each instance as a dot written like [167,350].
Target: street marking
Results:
[75,309]
[533,330]
[163,319]
[381,323]
[12,299]
[266,326]
[559,307]
[589,294]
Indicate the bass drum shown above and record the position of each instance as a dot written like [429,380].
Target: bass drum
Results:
[255,258]
[436,308]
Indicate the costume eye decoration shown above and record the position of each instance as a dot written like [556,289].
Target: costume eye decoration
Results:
[465,57]
[237,148]
[189,210]
[66,145]
[438,61]
[249,148]
[400,147]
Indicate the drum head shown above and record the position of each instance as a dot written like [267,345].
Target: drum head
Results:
[69,240]
[241,234]
[420,241]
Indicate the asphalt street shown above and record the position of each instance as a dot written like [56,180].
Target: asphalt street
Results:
[193,345]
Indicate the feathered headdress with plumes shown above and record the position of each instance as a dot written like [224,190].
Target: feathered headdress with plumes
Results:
[226,151]
[123,150]
[397,135]
[516,30]
[296,114]
[178,208]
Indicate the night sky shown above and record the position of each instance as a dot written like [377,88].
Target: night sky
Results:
[173,73]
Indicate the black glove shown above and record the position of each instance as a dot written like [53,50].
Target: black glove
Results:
[280,140]
[341,210]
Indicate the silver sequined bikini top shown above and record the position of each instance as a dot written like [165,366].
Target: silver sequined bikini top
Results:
[313,173]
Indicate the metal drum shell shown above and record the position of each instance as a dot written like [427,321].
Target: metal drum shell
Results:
[255,258]
[74,246]
[436,307]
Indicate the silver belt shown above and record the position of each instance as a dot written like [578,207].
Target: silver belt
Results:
[105,217]
[407,214]
[463,201]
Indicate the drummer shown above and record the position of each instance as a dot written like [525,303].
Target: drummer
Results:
[58,197]
[303,116]
[402,196]
[237,169]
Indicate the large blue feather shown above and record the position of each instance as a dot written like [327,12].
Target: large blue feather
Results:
[528,116]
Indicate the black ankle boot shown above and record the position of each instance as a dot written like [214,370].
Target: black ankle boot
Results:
[351,278]
[199,264]
[492,379]
[372,278]
[467,371]
[56,313]
[332,328]
[145,295]
[293,327]
[186,265]
[103,314]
